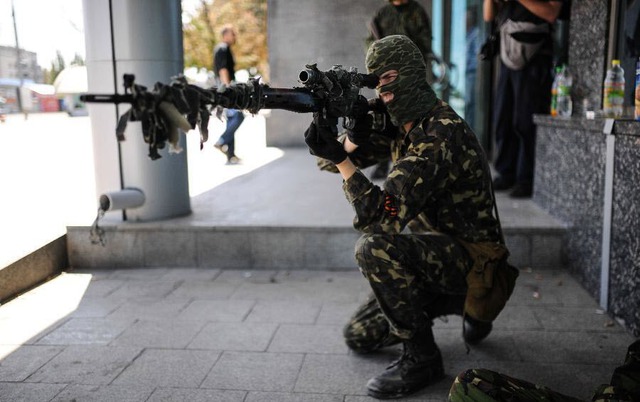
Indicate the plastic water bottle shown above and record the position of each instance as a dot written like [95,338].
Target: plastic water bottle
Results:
[565,104]
[554,92]
[613,102]
[637,92]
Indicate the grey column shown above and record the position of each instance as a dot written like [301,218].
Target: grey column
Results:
[144,38]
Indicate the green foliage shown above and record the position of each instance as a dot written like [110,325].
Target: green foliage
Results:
[202,33]
[77,60]
[58,64]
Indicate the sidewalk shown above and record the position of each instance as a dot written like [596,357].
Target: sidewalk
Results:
[235,335]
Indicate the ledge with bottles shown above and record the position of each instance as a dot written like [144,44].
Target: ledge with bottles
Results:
[613,102]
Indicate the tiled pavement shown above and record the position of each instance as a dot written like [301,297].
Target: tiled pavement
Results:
[233,335]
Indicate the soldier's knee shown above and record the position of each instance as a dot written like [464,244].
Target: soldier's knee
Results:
[366,248]
[358,341]
[368,337]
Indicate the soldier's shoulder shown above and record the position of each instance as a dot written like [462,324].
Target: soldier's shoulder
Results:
[443,115]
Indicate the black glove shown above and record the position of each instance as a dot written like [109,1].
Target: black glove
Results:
[322,142]
[361,131]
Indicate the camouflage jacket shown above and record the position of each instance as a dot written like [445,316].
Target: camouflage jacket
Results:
[440,180]
[412,21]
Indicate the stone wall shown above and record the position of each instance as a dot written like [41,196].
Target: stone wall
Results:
[572,157]
[569,184]
[624,294]
[572,160]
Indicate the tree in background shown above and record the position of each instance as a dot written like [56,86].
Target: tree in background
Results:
[77,60]
[202,32]
[58,64]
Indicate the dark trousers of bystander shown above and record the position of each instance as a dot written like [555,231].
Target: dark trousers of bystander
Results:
[519,95]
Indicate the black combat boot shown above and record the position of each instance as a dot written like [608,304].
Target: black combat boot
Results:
[419,366]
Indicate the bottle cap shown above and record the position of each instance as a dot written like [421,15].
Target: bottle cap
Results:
[615,62]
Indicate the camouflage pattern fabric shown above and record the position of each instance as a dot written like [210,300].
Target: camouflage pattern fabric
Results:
[440,177]
[410,20]
[408,272]
[479,385]
[413,96]
[439,185]
[368,329]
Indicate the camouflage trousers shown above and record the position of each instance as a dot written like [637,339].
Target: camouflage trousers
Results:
[408,274]
[479,385]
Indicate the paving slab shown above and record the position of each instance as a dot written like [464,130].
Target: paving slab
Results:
[254,371]
[168,368]
[92,365]
[106,393]
[273,335]
[23,392]
[18,363]
[196,395]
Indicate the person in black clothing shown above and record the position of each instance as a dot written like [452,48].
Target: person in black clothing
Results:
[224,68]
[524,85]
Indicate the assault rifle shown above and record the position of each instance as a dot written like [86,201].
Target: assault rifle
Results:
[330,95]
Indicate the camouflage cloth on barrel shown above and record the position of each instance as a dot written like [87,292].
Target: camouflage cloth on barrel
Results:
[488,386]
[411,21]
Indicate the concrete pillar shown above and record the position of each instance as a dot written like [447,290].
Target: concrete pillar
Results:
[144,38]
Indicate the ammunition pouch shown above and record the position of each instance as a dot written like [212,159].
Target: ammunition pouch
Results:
[490,281]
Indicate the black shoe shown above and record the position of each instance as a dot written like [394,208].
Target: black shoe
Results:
[501,183]
[416,368]
[474,331]
[522,190]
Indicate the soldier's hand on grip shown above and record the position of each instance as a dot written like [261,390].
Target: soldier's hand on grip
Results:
[322,143]
[360,133]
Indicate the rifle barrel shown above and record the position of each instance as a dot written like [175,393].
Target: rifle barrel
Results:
[298,100]
[104,98]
